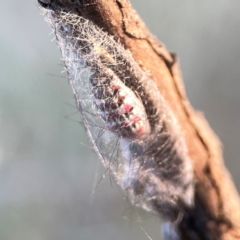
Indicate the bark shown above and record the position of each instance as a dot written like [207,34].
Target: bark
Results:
[216,213]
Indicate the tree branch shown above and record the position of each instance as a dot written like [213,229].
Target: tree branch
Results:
[216,210]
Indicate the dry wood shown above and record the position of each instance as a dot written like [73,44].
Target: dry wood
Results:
[216,214]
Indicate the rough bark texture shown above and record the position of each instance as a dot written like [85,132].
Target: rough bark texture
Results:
[216,214]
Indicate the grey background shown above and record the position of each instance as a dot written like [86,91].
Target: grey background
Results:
[48,172]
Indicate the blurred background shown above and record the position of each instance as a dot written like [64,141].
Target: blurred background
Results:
[49,174]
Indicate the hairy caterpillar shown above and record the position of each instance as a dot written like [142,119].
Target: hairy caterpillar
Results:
[132,128]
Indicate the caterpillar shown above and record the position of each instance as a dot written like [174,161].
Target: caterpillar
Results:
[132,128]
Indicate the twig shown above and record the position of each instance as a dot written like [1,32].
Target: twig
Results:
[215,213]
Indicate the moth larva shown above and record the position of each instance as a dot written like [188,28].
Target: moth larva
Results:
[129,123]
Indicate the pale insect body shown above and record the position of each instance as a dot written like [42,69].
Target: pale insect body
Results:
[118,106]
[129,123]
